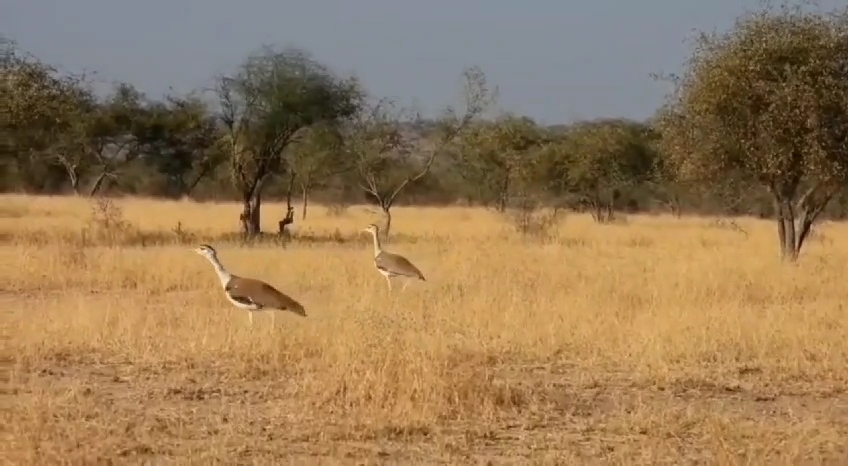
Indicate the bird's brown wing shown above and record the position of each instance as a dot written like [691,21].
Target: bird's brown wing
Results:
[398,265]
[239,293]
[280,300]
[263,294]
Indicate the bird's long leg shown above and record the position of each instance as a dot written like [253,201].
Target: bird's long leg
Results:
[273,319]
[389,282]
[405,283]
[250,316]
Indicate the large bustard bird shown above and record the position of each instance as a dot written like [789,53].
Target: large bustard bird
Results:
[392,265]
[248,293]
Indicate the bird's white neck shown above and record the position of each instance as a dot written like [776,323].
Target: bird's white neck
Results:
[377,248]
[223,275]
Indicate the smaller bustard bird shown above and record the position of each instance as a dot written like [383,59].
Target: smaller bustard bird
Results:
[248,293]
[392,265]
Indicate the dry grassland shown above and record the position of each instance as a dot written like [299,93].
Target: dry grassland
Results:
[658,341]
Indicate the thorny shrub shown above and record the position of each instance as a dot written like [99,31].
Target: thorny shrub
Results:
[107,225]
[531,221]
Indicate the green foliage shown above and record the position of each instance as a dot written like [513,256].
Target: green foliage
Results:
[383,144]
[498,158]
[596,161]
[375,142]
[317,157]
[756,126]
[273,96]
[182,142]
[768,99]
[45,113]
[318,154]
[111,134]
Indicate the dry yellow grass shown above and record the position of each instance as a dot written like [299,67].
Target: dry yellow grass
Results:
[659,341]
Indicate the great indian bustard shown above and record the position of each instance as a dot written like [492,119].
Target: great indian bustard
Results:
[248,293]
[392,265]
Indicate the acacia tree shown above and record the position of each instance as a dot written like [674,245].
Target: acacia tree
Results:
[769,100]
[383,150]
[111,133]
[181,140]
[597,161]
[270,99]
[315,158]
[666,184]
[494,156]
[381,154]
[45,114]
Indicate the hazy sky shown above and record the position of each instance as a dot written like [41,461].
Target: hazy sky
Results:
[555,61]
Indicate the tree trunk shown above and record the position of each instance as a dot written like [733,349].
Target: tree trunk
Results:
[503,198]
[387,212]
[190,186]
[289,217]
[75,183]
[304,190]
[795,222]
[73,177]
[786,230]
[72,169]
[97,184]
[676,207]
[250,216]
[286,221]
[598,210]
[609,212]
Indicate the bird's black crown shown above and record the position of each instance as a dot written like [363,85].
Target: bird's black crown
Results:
[206,246]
